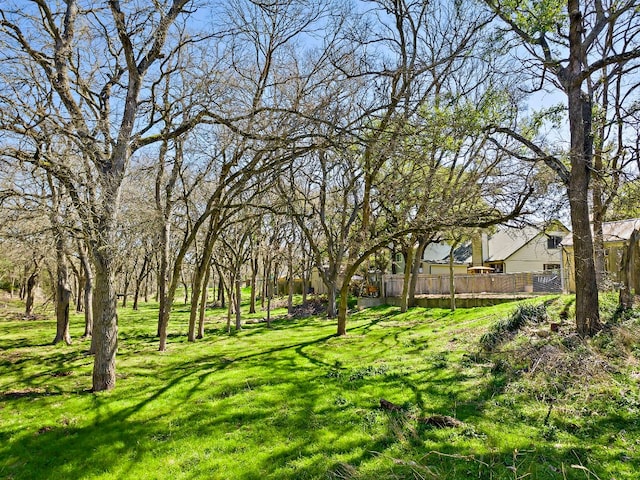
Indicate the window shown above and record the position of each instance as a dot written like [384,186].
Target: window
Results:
[497,267]
[553,241]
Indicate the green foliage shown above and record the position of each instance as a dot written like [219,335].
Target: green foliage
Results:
[535,17]
[626,203]
[295,402]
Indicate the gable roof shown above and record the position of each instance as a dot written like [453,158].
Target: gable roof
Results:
[505,243]
[501,245]
[617,231]
[438,252]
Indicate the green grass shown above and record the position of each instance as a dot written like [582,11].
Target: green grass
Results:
[295,402]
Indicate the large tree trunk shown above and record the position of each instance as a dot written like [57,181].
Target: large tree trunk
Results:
[105,333]
[587,305]
[587,314]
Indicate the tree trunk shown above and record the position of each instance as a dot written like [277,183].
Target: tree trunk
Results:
[30,289]
[221,291]
[305,286]
[266,295]
[254,277]
[290,282]
[145,291]
[452,281]
[186,289]
[408,266]
[343,308]
[125,289]
[201,272]
[78,285]
[105,334]
[269,311]
[163,283]
[238,285]
[587,314]
[196,290]
[229,292]
[88,291]
[63,292]
[587,305]
[266,268]
[417,262]
[139,279]
[23,283]
[331,299]
[203,303]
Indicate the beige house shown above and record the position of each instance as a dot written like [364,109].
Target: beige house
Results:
[509,250]
[616,238]
[527,249]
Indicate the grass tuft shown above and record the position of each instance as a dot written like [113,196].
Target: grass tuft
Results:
[525,313]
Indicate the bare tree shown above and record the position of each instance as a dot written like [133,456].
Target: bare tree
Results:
[568,48]
[90,69]
[62,290]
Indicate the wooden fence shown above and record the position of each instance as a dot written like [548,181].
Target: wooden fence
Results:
[543,282]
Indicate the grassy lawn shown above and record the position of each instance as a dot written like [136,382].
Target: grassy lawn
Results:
[295,402]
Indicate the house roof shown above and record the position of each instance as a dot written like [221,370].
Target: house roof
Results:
[438,252]
[505,243]
[612,231]
[501,245]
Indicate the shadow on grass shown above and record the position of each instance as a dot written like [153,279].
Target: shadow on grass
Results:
[274,413]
